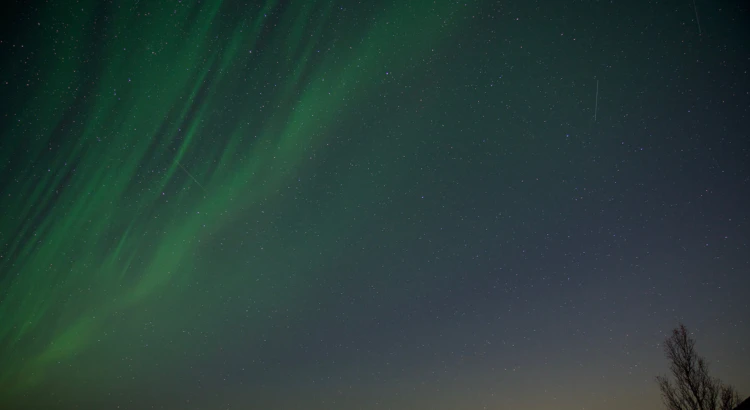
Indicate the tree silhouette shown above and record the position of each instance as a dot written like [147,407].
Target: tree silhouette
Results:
[693,388]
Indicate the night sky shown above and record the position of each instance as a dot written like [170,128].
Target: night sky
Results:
[370,205]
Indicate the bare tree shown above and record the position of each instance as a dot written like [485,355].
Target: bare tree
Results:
[693,388]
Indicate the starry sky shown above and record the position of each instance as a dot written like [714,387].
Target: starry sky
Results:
[370,205]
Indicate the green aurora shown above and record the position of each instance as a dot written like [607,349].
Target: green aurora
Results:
[142,134]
